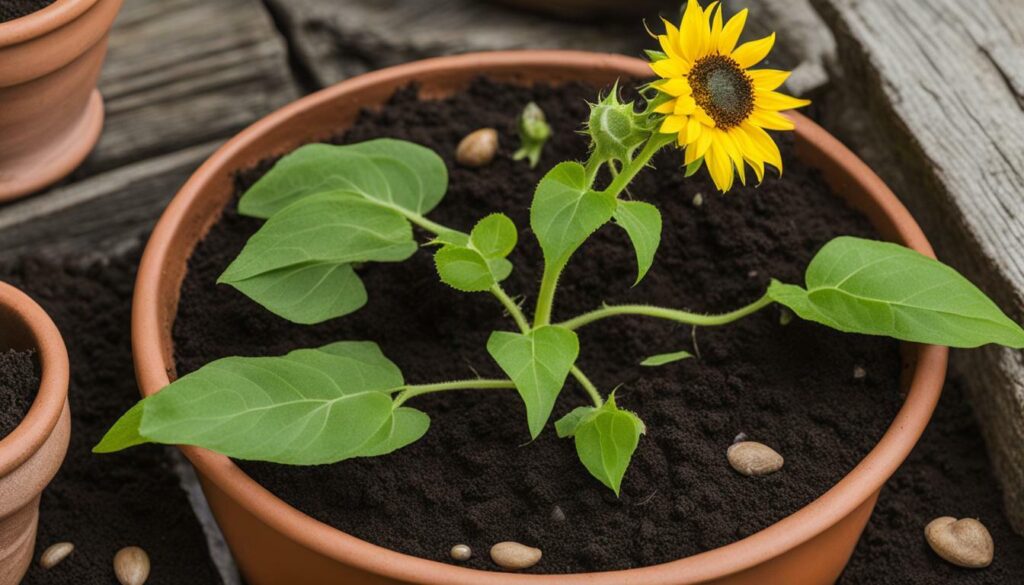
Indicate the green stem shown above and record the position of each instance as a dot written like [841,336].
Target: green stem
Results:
[665,313]
[589,386]
[546,296]
[414,390]
[655,143]
[512,308]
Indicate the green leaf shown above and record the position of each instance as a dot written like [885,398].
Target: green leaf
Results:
[298,264]
[642,222]
[606,439]
[395,173]
[567,425]
[565,212]
[466,270]
[538,363]
[310,407]
[494,236]
[666,358]
[693,167]
[879,288]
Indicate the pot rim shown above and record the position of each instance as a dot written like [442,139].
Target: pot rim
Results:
[44,414]
[42,21]
[151,343]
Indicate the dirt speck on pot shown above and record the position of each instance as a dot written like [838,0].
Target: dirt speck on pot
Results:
[19,382]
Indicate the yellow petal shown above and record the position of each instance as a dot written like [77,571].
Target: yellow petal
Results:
[719,166]
[666,108]
[735,154]
[699,148]
[770,120]
[716,28]
[767,79]
[667,68]
[704,118]
[693,130]
[672,33]
[693,32]
[773,100]
[672,124]
[685,106]
[750,54]
[731,32]
[675,87]
[766,146]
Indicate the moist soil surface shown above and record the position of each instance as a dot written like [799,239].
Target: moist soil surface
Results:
[11,9]
[475,478]
[102,503]
[19,382]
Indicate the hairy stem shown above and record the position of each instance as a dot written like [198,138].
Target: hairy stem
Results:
[667,314]
[589,386]
[413,390]
[512,308]
[546,296]
[655,143]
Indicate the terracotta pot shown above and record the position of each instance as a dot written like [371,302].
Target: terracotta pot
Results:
[32,453]
[275,544]
[50,111]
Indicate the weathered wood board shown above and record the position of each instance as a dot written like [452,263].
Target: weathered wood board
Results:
[931,93]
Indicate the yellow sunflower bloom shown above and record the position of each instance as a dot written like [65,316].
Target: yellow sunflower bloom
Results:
[719,107]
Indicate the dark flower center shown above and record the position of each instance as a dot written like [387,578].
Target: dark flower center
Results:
[722,89]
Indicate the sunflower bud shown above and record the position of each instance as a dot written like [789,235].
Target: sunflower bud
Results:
[616,129]
[534,132]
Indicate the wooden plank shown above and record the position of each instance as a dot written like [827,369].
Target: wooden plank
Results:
[101,215]
[931,94]
[336,39]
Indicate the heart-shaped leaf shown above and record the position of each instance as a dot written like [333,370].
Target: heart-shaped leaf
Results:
[538,363]
[642,222]
[391,172]
[494,236]
[466,270]
[606,439]
[880,288]
[566,211]
[310,407]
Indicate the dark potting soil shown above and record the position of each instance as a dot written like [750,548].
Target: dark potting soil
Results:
[102,503]
[11,9]
[475,478]
[19,382]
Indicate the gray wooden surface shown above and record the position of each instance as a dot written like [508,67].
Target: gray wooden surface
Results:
[931,93]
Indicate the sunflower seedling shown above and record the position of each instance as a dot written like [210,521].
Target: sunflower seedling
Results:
[330,208]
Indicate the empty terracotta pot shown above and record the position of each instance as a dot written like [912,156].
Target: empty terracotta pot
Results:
[275,543]
[50,111]
[32,453]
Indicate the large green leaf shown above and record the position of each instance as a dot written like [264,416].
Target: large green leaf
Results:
[298,264]
[606,439]
[879,288]
[566,211]
[538,363]
[312,406]
[642,222]
[391,172]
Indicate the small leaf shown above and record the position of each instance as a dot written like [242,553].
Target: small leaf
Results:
[391,172]
[494,236]
[606,440]
[567,425]
[666,358]
[642,222]
[655,55]
[310,407]
[565,212]
[693,167]
[466,270]
[298,264]
[538,363]
[880,288]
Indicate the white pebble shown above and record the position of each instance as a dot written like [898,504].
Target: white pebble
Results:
[754,459]
[54,554]
[965,542]
[513,556]
[461,552]
[131,566]
[477,148]
[859,373]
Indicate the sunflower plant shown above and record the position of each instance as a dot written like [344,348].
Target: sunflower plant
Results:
[328,209]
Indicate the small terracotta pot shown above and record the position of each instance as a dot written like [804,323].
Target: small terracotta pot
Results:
[32,453]
[50,111]
[275,543]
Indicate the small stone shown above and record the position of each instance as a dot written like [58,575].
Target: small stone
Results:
[557,515]
[131,566]
[965,542]
[752,274]
[859,373]
[54,554]
[754,459]
[461,552]
[785,317]
[477,148]
[698,200]
[513,556]
[739,438]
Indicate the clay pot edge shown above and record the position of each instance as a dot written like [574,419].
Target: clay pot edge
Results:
[154,362]
[52,397]
[42,21]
